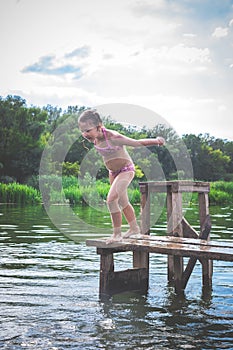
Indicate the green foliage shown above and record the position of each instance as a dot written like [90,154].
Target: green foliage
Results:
[89,191]
[134,195]
[73,166]
[25,131]
[70,169]
[73,194]
[20,133]
[92,191]
[138,172]
[69,181]
[211,159]
[221,192]
[18,193]
[102,189]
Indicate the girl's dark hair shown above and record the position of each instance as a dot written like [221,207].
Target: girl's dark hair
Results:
[90,115]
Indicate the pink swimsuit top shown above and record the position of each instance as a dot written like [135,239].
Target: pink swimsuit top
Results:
[110,149]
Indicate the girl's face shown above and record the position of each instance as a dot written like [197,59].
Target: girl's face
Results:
[89,131]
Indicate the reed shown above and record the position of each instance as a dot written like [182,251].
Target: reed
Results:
[69,181]
[134,195]
[18,193]
[93,193]
[73,194]
[221,192]
[102,189]
[86,194]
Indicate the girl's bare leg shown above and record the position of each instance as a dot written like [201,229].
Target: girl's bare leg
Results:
[130,216]
[116,220]
[118,191]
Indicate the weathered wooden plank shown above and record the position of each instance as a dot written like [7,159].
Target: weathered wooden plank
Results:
[101,243]
[203,199]
[189,186]
[188,271]
[106,269]
[207,272]
[188,230]
[174,228]
[184,240]
[145,211]
[141,259]
[165,247]
[207,252]
[207,265]
[174,214]
[176,186]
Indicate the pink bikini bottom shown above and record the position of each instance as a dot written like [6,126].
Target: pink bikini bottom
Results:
[129,167]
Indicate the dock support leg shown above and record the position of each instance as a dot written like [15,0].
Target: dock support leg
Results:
[207,265]
[174,227]
[145,210]
[106,270]
[141,261]
[207,272]
[178,272]
[114,282]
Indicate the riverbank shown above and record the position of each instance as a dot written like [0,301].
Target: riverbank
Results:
[221,192]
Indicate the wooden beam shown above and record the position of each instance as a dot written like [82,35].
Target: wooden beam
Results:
[174,246]
[176,186]
[106,270]
[145,210]
[204,234]
[188,230]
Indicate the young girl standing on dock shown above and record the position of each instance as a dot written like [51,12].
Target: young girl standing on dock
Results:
[111,145]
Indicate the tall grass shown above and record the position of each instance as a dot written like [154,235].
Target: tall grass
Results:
[81,194]
[221,192]
[94,192]
[18,193]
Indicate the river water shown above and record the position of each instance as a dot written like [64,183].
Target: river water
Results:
[49,292]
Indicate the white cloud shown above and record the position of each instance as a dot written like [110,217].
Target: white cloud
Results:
[222,108]
[220,32]
[189,35]
[184,54]
[150,53]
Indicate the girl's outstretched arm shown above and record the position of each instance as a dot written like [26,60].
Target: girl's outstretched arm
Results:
[119,139]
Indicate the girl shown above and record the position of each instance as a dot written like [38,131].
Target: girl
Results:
[111,145]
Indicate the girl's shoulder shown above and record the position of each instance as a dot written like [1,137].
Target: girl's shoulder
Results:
[118,139]
[112,134]
[114,137]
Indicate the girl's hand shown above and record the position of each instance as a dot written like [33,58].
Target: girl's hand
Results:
[160,141]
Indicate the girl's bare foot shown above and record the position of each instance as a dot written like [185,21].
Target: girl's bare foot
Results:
[114,238]
[132,232]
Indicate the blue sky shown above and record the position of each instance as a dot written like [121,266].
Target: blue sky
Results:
[172,57]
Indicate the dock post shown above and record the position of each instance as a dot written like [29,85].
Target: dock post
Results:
[145,209]
[141,261]
[207,265]
[175,265]
[106,270]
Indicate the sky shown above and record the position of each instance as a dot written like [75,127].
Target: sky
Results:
[172,57]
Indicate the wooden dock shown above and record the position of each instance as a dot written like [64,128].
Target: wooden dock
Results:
[181,241]
[137,278]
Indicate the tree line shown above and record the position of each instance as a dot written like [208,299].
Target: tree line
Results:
[26,130]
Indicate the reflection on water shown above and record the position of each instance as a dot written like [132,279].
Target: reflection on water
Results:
[49,290]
